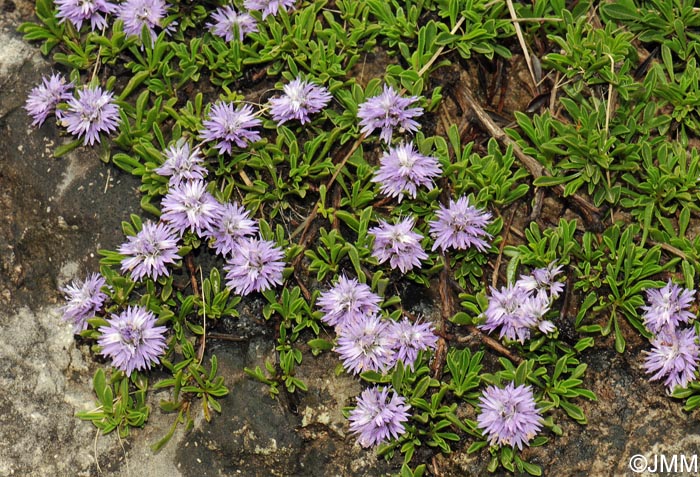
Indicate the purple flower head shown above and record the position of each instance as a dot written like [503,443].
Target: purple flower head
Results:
[668,308]
[229,24]
[149,252]
[300,99]
[132,340]
[188,206]
[378,417]
[42,99]
[347,301]
[79,11]
[365,345]
[399,244]
[235,224]
[388,111]
[230,126]
[511,310]
[257,265]
[139,13]
[543,281]
[269,7]
[509,416]
[91,112]
[182,163]
[674,356]
[409,338]
[403,169]
[83,300]
[460,226]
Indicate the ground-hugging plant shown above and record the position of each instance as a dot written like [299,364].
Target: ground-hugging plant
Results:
[273,165]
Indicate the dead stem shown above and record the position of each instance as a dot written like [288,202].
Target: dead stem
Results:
[521,40]
[489,342]
[225,337]
[497,265]
[464,97]
[189,263]
[446,312]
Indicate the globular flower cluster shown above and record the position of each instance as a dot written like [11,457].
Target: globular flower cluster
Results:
[79,11]
[42,99]
[91,112]
[230,24]
[189,206]
[300,99]
[509,415]
[84,299]
[347,302]
[132,340]
[378,416]
[269,7]
[388,111]
[137,14]
[234,225]
[256,265]
[460,226]
[518,308]
[403,169]
[182,163]
[675,350]
[229,125]
[150,251]
[398,244]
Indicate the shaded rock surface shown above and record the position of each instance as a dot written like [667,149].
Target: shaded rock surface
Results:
[57,213]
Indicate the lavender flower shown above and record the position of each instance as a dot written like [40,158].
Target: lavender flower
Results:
[42,99]
[149,252]
[132,340]
[668,308]
[408,339]
[347,302]
[188,206]
[233,226]
[92,112]
[399,244]
[229,24]
[388,111]
[300,99]
[543,281]
[508,310]
[403,169]
[674,356]
[137,14]
[365,344]
[256,266]
[269,7]
[182,163]
[84,299]
[460,226]
[78,11]
[377,417]
[509,415]
[228,126]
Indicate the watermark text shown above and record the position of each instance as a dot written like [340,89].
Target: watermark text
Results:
[664,464]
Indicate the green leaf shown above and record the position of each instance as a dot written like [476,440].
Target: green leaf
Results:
[320,344]
[64,149]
